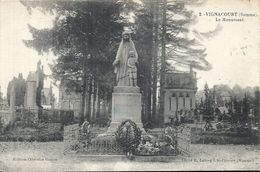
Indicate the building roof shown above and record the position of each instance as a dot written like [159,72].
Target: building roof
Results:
[180,81]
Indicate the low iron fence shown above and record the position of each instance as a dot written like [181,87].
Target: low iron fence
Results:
[109,147]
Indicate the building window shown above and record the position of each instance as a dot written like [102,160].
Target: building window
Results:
[188,95]
[183,101]
[191,103]
[173,95]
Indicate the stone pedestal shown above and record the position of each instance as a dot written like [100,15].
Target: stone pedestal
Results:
[126,104]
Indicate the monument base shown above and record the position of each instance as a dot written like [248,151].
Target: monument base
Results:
[126,105]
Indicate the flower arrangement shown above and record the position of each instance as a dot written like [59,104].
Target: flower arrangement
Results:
[128,136]
[154,147]
[147,149]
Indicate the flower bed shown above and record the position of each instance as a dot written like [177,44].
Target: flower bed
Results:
[127,140]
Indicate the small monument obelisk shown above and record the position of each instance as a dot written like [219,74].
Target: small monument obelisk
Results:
[126,97]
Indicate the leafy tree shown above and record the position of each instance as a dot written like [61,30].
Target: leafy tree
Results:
[144,44]
[84,36]
[221,93]
[238,107]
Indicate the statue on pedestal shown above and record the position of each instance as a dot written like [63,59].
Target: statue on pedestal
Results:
[126,96]
[121,62]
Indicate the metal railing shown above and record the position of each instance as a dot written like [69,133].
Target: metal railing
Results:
[109,147]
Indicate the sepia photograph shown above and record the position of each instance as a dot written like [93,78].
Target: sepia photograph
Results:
[129,85]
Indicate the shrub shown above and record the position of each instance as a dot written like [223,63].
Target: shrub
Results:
[128,136]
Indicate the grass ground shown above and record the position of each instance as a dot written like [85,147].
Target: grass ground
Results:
[49,156]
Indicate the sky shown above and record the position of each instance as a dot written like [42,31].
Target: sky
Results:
[15,57]
[234,52]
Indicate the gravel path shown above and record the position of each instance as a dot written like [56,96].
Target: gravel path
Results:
[21,156]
